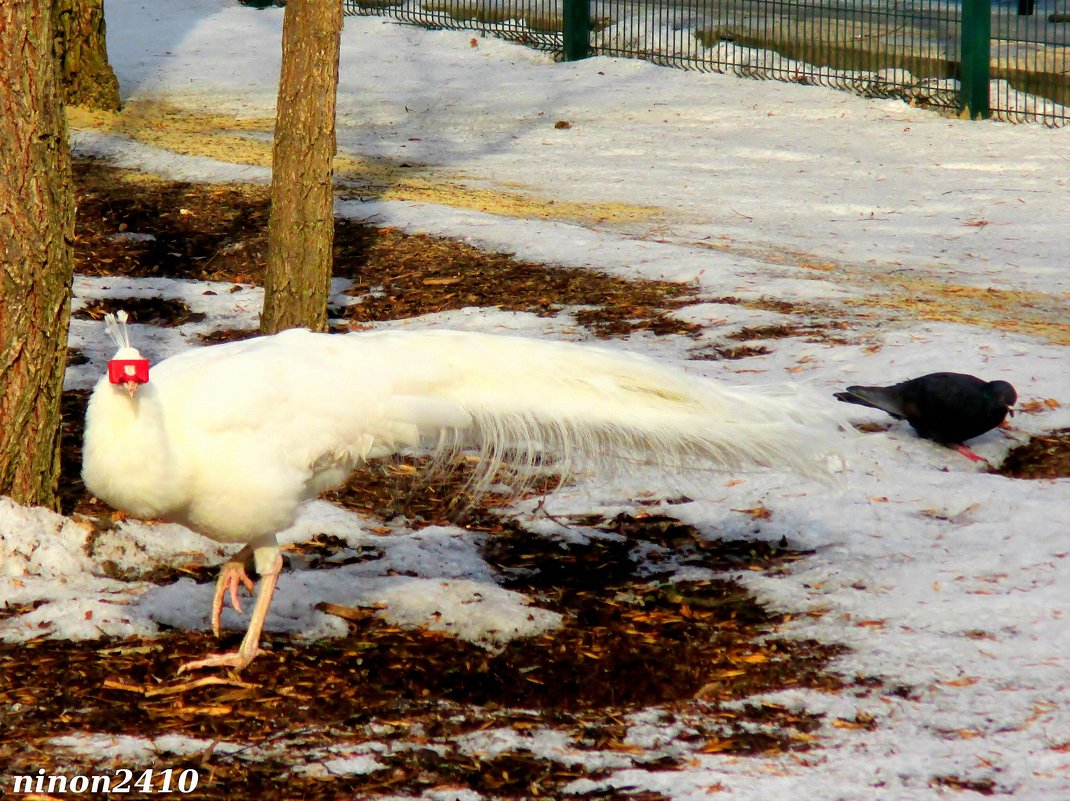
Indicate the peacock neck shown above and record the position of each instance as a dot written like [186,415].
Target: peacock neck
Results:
[127,458]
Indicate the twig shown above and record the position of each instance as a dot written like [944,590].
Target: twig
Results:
[541,507]
[354,613]
[204,681]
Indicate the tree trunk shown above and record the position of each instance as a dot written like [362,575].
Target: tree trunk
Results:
[301,227]
[36,257]
[82,55]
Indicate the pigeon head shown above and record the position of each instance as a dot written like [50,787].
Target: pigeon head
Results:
[127,368]
[1003,393]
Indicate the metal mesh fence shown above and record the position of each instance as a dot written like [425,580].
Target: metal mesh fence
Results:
[1030,58]
[536,23]
[1007,57]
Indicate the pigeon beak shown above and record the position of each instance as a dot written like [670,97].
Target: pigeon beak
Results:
[131,387]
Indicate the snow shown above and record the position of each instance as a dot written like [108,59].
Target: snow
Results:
[949,580]
[123,748]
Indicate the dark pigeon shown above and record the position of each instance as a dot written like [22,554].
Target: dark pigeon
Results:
[949,408]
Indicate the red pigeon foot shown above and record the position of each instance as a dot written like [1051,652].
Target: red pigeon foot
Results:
[973,457]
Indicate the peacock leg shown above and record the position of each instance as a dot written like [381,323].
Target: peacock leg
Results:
[250,644]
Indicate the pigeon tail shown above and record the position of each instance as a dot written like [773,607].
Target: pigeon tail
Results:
[887,399]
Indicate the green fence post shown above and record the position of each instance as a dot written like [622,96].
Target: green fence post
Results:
[576,29]
[975,71]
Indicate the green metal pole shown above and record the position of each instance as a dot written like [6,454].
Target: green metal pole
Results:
[975,70]
[576,33]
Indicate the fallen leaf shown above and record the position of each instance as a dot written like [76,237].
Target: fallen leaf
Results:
[1037,406]
[758,512]
[967,681]
[755,659]
[716,746]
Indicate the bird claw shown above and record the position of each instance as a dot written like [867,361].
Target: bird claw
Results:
[231,576]
[236,660]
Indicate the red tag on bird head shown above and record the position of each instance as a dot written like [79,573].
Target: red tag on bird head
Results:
[123,371]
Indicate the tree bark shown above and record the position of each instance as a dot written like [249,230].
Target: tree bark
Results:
[36,256]
[301,227]
[82,55]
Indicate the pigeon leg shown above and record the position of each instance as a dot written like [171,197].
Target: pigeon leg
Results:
[231,576]
[973,457]
[250,644]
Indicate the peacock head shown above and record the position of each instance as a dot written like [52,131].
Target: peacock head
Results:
[127,367]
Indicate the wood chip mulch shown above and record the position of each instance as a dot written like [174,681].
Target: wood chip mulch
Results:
[219,233]
[1043,456]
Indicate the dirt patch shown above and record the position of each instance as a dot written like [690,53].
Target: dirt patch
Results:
[722,353]
[775,305]
[811,332]
[164,312]
[137,228]
[871,428]
[981,787]
[813,322]
[1044,456]
[401,276]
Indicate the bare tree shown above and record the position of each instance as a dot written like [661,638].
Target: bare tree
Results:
[82,54]
[301,227]
[36,257]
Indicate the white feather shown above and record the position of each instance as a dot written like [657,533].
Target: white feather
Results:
[115,325]
[231,439]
